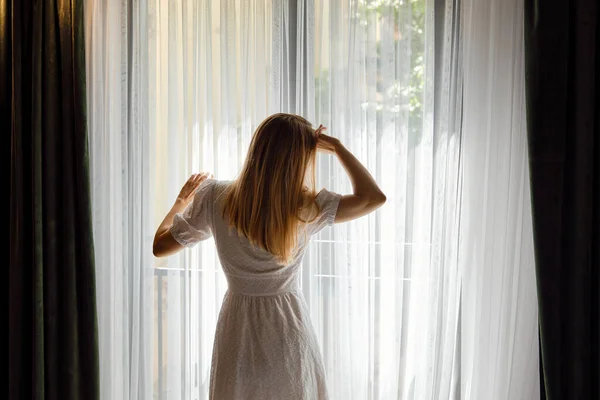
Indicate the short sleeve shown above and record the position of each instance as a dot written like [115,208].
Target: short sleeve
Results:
[194,223]
[328,203]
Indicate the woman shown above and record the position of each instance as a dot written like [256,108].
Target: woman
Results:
[265,346]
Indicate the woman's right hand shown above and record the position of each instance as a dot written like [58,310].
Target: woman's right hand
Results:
[186,195]
[325,143]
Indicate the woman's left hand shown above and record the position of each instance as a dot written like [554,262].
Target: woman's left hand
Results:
[326,144]
[186,195]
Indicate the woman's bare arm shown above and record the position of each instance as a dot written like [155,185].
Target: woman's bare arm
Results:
[367,196]
[164,243]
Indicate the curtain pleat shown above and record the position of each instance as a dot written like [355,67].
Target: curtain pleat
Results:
[53,350]
[496,258]
[563,104]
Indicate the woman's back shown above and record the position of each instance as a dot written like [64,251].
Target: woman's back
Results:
[265,346]
[249,269]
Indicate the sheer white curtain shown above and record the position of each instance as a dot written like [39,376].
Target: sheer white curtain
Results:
[216,69]
[121,157]
[384,291]
[499,358]
[176,87]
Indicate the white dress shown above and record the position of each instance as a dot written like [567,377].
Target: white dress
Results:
[265,345]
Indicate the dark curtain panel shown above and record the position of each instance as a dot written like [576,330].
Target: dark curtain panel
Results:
[52,312]
[563,106]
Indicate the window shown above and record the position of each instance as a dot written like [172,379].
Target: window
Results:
[175,87]
[363,78]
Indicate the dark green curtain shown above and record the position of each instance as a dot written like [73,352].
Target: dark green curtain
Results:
[53,351]
[562,44]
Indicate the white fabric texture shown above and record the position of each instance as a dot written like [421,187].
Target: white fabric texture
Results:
[121,157]
[377,304]
[499,329]
[430,297]
[265,345]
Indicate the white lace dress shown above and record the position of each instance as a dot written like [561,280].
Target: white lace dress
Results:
[265,346]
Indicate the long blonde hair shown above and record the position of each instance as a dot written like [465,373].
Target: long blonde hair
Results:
[275,191]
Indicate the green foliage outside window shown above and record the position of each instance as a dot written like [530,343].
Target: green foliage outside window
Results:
[405,92]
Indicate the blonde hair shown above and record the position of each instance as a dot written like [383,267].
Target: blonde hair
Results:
[275,191]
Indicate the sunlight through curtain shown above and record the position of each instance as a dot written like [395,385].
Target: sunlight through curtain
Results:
[500,354]
[177,87]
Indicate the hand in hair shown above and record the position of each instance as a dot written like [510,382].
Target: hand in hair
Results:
[326,144]
[367,196]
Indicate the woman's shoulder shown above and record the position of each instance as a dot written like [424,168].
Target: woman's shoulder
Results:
[219,187]
[220,184]
[210,187]
[325,196]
